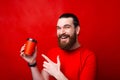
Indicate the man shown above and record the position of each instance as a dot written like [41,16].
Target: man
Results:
[70,61]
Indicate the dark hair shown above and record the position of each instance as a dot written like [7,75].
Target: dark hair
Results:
[75,19]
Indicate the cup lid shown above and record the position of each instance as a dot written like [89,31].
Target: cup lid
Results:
[31,39]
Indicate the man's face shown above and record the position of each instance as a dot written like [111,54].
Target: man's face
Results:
[66,33]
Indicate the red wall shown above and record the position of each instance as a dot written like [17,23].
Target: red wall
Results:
[20,19]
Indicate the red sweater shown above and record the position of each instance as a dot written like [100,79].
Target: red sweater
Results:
[78,64]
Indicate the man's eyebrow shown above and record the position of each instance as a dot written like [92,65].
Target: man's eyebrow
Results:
[67,25]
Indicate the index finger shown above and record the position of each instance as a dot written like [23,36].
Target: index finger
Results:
[46,58]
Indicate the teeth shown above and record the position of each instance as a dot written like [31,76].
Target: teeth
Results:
[63,37]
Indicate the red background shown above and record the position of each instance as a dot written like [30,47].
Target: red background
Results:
[20,19]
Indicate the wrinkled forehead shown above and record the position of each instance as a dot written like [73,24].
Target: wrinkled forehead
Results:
[64,21]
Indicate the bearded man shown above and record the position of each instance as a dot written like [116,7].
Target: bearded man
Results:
[69,61]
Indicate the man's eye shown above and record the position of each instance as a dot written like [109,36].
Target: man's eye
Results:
[58,28]
[67,26]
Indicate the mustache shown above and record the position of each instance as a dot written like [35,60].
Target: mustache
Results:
[65,35]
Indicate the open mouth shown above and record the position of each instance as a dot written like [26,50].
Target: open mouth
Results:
[64,38]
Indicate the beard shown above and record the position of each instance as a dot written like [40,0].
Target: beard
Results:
[69,44]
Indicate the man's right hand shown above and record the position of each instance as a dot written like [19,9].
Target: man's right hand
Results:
[29,59]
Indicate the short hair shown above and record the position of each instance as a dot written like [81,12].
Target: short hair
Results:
[70,15]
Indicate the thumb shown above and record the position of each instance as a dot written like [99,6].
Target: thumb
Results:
[58,60]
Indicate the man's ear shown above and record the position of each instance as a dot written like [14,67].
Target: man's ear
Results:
[77,30]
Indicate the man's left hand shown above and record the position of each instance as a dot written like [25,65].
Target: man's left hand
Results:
[51,67]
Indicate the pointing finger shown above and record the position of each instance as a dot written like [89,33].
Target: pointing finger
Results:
[46,58]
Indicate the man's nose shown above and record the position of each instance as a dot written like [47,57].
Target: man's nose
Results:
[63,31]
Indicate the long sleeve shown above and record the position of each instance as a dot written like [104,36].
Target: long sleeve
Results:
[88,69]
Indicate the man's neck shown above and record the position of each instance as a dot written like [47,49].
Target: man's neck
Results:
[75,46]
